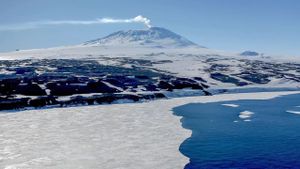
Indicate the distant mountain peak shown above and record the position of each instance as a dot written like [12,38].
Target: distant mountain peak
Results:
[249,53]
[152,37]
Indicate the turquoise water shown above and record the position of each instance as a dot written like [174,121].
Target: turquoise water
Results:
[220,139]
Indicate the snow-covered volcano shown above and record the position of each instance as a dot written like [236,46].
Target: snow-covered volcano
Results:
[152,37]
[162,50]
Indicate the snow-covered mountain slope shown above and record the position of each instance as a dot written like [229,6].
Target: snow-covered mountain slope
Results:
[153,37]
[173,54]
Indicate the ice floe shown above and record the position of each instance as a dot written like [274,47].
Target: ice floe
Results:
[231,105]
[293,112]
[245,114]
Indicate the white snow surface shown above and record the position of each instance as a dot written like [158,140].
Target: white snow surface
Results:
[185,62]
[120,136]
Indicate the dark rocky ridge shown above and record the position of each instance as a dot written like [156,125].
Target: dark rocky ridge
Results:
[38,83]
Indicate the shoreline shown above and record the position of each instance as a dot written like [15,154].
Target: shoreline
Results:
[181,93]
[103,136]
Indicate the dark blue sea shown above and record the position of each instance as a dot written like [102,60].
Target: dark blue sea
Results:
[269,139]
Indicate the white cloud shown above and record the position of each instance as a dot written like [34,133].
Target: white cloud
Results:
[137,19]
[142,19]
[34,25]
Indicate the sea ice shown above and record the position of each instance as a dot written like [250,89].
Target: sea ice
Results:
[103,136]
[293,112]
[245,114]
[231,105]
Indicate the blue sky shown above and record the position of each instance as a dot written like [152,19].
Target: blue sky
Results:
[268,26]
